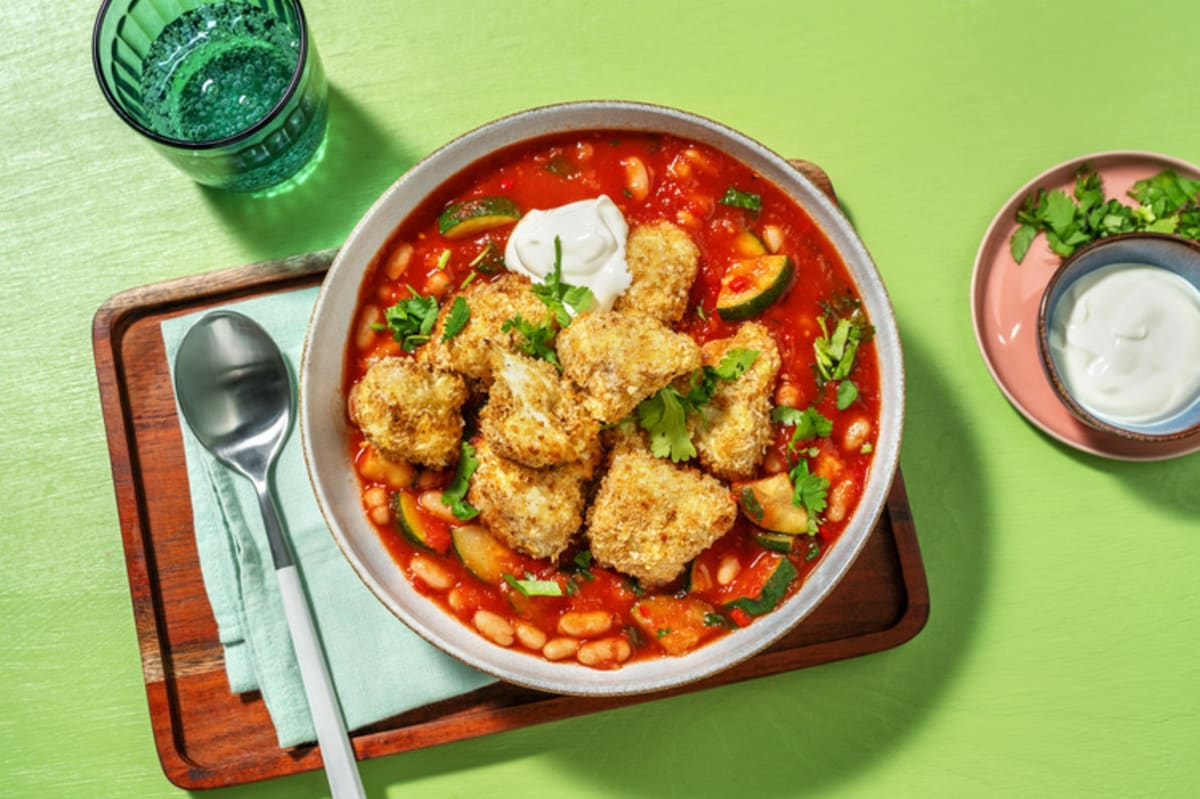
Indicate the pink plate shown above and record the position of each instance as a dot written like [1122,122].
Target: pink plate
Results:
[1005,299]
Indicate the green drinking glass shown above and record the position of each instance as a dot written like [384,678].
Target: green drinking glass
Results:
[231,92]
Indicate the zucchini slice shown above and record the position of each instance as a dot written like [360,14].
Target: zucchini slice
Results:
[768,503]
[751,285]
[776,542]
[748,245]
[423,532]
[775,579]
[483,554]
[470,217]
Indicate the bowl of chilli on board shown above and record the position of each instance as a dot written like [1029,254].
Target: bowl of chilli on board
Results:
[1119,336]
[602,398]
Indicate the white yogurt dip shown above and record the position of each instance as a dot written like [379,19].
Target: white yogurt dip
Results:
[593,235]
[1126,340]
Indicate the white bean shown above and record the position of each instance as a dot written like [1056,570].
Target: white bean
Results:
[585,624]
[432,502]
[530,635]
[839,500]
[493,627]
[560,648]
[606,651]
[728,570]
[857,433]
[431,573]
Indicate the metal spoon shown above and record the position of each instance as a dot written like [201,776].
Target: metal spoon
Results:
[236,394]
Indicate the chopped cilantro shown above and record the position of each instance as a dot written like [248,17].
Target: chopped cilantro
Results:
[741,199]
[583,564]
[455,494]
[700,313]
[814,550]
[716,620]
[662,632]
[835,351]
[411,320]
[809,423]
[633,586]
[456,319]
[664,414]
[847,393]
[443,259]
[1167,203]
[534,340]
[809,492]
[557,296]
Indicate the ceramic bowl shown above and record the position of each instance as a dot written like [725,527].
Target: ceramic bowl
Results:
[325,429]
[1179,259]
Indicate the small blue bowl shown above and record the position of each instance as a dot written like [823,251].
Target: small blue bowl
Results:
[1173,254]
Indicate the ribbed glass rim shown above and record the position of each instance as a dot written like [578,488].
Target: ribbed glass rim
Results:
[214,144]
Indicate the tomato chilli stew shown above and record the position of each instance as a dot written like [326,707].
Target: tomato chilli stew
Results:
[614,395]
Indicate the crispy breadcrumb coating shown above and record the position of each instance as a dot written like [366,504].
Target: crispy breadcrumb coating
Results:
[619,359]
[649,517]
[732,435]
[534,416]
[535,511]
[410,411]
[469,352]
[663,260]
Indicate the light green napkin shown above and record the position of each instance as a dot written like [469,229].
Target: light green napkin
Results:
[379,666]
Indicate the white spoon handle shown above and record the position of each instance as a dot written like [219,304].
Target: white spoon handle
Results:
[340,766]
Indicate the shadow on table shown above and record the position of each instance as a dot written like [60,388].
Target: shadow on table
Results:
[807,731]
[361,160]
[1168,485]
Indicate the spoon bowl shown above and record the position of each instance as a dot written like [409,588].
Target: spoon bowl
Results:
[235,392]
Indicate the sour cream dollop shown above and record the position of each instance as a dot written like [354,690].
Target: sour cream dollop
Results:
[593,234]
[1126,339]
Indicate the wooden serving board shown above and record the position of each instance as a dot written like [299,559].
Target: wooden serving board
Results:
[207,737]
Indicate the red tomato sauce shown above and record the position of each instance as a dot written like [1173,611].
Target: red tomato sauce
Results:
[650,178]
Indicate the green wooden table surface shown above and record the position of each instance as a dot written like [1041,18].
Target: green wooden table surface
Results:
[1061,656]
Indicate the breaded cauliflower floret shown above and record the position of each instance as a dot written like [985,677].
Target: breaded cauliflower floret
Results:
[650,517]
[410,411]
[535,417]
[619,359]
[663,260]
[469,351]
[535,511]
[732,436]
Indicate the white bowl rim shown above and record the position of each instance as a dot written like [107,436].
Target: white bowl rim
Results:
[323,422]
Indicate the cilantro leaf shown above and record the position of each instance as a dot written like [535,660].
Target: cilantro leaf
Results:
[557,296]
[1163,200]
[411,320]
[835,351]
[456,319]
[664,414]
[809,491]
[1020,241]
[810,423]
[847,393]
[741,199]
[455,494]
[534,340]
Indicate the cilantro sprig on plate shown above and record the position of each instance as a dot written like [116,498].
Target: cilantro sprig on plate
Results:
[1167,203]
